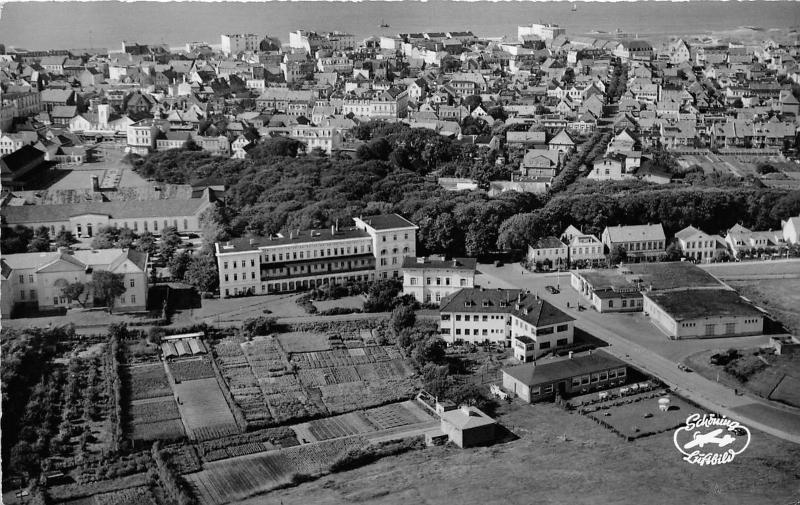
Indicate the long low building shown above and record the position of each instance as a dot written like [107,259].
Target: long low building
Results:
[567,376]
[86,219]
[703,313]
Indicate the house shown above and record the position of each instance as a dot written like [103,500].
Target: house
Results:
[393,238]
[606,290]
[679,52]
[571,375]
[21,167]
[548,253]
[698,245]
[34,282]
[562,143]
[540,163]
[703,313]
[503,315]
[584,249]
[51,98]
[791,230]
[432,279]
[743,241]
[634,50]
[610,168]
[468,426]
[641,242]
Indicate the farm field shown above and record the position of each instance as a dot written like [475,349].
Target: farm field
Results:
[191,369]
[242,383]
[155,419]
[203,408]
[237,478]
[148,381]
[648,470]
[364,422]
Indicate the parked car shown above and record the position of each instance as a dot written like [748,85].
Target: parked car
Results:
[552,290]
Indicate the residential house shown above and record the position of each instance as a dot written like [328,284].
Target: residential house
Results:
[548,253]
[698,245]
[791,230]
[745,242]
[641,242]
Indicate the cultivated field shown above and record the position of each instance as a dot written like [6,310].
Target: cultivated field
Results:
[191,369]
[234,479]
[204,411]
[303,341]
[391,416]
[155,419]
[778,296]
[148,381]
[132,496]
[242,383]
[590,465]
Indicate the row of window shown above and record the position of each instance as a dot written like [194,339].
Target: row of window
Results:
[394,251]
[243,263]
[583,380]
[244,276]
[699,243]
[413,281]
[485,317]
[394,237]
[626,303]
[337,251]
[145,225]
[318,267]
[645,246]
[384,262]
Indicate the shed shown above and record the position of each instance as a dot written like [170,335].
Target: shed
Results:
[196,346]
[181,349]
[168,349]
[468,426]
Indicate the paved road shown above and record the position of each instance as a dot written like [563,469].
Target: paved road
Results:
[634,339]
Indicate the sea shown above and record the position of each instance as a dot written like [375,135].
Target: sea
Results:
[104,24]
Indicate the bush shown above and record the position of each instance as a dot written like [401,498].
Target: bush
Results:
[261,325]
[402,317]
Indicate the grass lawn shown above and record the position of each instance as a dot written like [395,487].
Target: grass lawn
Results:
[592,466]
[348,302]
[303,341]
[629,419]
[780,297]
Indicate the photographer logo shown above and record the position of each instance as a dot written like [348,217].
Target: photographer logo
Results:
[711,440]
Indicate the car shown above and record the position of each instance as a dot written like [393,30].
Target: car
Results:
[498,263]
[552,290]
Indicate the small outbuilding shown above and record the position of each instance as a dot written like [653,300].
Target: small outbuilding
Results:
[468,426]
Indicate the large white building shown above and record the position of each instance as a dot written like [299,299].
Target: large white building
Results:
[698,245]
[505,316]
[432,279]
[305,259]
[393,238]
[545,31]
[645,242]
[703,313]
[234,43]
[35,281]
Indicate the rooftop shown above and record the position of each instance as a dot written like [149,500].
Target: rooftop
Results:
[702,303]
[530,308]
[558,369]
[673,275]
[387,222]
[467,417]
[440,263]
[290,237]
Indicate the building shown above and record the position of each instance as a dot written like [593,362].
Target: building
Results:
[745,242]
[502,316]
[327,138]
[545,31]
[85,219]
[703,313]
[634,50]
[468,426]
[239,42]
[20,168]
[584,249]
[393,238]
[305,259]
[34,282]
[548,253]
[791,230]
[142,135]
[641,242]
[432,279]
[606,290]
[698,245]
[568,376]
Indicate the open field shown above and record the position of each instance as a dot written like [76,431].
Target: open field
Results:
[234,479]
[155,419]
[592,466]
[204,410]
[787,391]
[778,296]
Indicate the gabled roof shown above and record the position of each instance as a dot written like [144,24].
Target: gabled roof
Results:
[635,233]
[548,243]
[562,138]
[532,374]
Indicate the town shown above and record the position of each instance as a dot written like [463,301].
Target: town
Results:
[309,268]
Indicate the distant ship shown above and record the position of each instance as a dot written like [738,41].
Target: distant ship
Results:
[384,24]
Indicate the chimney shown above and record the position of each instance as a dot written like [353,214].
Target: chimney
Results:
[465,410]
[95,183]
[291,235]
[252,241]
[333,230]
[519,297]
[570,355]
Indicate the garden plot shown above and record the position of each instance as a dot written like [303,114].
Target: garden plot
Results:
[148,381]
[243,385]
[133,496]
[293,405]
[265,357]
[203,408]
[233,479]
[161,430]
[353,423]
[346,357]
[191,369]
[391,416]
[303,341]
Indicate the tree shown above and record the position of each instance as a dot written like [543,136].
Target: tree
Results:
[65,238]
[202,274]
[146,243]
[178,265]
[258,326]
[170,240]
[429,350]
[107,287]
[617,255]
[674,252]
[472,101]
[277,146]
[126,238]
[41,240]
[435,379]
[73,292]
[402,317]
[106,238]
[15,240]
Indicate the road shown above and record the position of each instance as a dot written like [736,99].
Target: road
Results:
[634,339]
